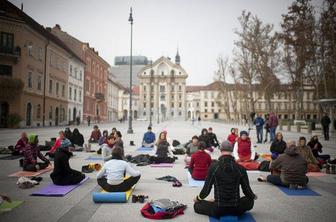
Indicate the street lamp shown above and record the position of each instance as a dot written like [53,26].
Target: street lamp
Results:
[150,94]
[130,130]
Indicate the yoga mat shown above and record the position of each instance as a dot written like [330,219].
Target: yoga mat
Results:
[254,171]
[194,183]
[316,174]
[94,158]
[111,197]
[162,165]
[10,157]
[52,190]
[6,206]
[144,149]
[246,217]
[305,192]
[29,173]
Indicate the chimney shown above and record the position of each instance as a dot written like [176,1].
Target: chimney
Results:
[58,26]
[21,6]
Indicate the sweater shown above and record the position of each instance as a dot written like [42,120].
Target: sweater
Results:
[31,152]
[114,171]
[292,166]
[149,137]
[191,148]
[307,154]
[95,135]
[199,164]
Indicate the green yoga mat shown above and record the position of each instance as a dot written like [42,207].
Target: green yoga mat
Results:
[6,206]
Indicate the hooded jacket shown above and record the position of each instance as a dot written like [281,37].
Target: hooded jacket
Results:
[292,165]
[278,146]
[77,138]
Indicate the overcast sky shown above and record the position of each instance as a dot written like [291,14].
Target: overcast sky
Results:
[202,30]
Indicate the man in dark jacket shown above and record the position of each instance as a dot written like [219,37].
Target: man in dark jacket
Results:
[259,123]
[325,122]
[212,138]
[293,168]
[226,176]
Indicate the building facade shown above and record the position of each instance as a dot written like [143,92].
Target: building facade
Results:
[162,90]
[33,71]
[113,89]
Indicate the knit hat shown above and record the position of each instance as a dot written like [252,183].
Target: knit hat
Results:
[226,146]
[243,132]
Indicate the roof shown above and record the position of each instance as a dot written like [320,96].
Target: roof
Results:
[13,12]
[193,88]
[162,58]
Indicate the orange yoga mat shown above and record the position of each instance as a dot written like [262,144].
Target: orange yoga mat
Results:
[29,173]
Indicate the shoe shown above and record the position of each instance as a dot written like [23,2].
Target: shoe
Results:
[87,169]
[177,184]
[261,179]
[142,198]
[134,198]
[38,179]
[293,186]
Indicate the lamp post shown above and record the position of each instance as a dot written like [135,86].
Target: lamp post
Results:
[130,130]
[150,94]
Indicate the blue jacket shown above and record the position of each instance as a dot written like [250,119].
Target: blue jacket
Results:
[149,137]
[259,122]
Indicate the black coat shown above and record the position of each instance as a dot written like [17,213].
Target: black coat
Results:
[226,176]
[212,139]
[77,139]
[205,139]
[325,121]
[278,146]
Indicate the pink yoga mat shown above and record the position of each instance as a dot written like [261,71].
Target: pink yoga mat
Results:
[29,173]
[315,174]
[53,190]
[162,165]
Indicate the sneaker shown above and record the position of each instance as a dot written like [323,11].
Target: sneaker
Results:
[261,179]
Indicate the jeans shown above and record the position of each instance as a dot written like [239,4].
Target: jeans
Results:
[123,187]
[260,134]
[272,133]
[211,209]
[326,132]
[276,180]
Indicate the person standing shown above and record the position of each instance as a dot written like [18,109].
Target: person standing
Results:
[273,124]
[89,120]
[267,128]
[259,123]
[325,122]
[226,176]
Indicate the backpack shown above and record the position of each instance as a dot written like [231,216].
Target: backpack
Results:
[162,209]
[264,166]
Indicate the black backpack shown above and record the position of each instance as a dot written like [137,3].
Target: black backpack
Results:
[265,166]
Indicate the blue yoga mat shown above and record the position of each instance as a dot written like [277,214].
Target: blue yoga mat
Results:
[144,149]
[94,158]
[194,183]
[305,192]
[246,217]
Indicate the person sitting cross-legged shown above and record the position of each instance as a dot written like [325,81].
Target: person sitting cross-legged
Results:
[292,167]
[20,145]
[31,152]
[111,176]
[148,138]
[305,151]
[199,163]
[163,152]
[191,148]
[226,176]
[61,141]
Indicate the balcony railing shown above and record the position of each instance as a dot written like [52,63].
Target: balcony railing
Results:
[10,51]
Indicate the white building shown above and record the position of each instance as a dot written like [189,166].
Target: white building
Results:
[193,102]
[75,90]
[113,89]
[124,101]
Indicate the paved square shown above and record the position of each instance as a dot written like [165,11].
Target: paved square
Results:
[272,203]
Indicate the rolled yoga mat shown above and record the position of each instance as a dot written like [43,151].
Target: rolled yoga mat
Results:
[111,197]
[246,217]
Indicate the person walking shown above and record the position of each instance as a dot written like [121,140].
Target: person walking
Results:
[273,124]
[325,122]
[259,123]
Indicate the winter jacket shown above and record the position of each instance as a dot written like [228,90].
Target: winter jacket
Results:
[205,139]
[226,176]
[95,135]
[292,166]
[149,137]
[77,139]
[259,122]
[199,164]
[316,147]
[212,138]
[307,154]
[232,138]
[273,121]
[278,147]
[325,121]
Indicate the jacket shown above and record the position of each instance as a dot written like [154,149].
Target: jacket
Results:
[307,154]
[232,138]
[325,121]
[226,176]
[316,147]
[273,121]
[259,122]
[205,139]
[95,135]
[278,146]
[149,137]
[77,139]
[199,164]
[162,149]
[191,148]
[212,138]
[31,152]
[21,144]
[292,166]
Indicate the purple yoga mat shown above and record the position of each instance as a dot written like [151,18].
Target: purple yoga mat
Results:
[53,190]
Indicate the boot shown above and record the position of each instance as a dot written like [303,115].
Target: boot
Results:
[327,168]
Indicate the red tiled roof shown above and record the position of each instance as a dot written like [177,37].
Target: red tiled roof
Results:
[193,88]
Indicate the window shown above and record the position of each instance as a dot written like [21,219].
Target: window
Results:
[75,94]
[50,86]
[180,113]
[144,113]
[70,70]
[180,96]
[180,88]
[172,97]
[30,81]
[162,73]
[38,111]
[50,113]
[39,83]
[5,70]
[30,49]
[7,42]
[197,104]
[172,105]
[63,90]
[172,88]
[144,88]
[80,75]
[212,104]
[57,88]
[162,97]
[39,54]
[205,104]
[205,110]
[80,96]
[76,73]
[162,88]
[172,113]
[144,105]
[212,95]
[180,105]
[70,93]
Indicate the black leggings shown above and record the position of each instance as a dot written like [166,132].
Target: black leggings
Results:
[123,187]
[167,159]
[74,177]
[32,167]
[211,209]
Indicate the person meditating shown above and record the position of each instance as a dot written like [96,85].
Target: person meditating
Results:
[62,173]
[226,176]
[77,139]
[111,177]
[107,148]
[213,142]
[61,141]
[31,152]
[316,148]
[95,135]
[233,136]
[148,138]
[163,152]
[278,146]
[292,167]
[306,152]
[20,145]
[244,152]
[191,148]
[200,162]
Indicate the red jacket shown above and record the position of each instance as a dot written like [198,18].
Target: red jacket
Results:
[56,145]
[244,147]
[200,162]
[232,138]
[21,144]
[95,135]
